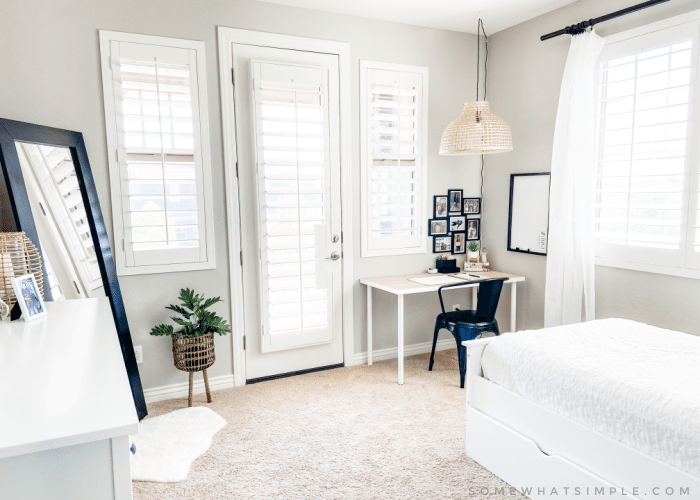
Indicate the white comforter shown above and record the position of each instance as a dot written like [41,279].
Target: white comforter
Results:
[635,383]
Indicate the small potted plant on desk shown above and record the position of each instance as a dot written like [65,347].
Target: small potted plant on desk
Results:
[193,344]
[473,251]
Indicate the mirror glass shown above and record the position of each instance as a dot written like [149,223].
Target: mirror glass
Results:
[58,208]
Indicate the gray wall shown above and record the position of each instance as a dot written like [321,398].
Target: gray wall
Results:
[525,76]
[50,75]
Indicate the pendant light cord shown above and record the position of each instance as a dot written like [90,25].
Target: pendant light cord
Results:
[479,31]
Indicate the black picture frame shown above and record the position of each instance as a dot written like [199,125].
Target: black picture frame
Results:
[460,222]
[435,242]
[430,227]
[450,203]
[477,223]
[437,215]
[455,236]
[11,131]
[464,208]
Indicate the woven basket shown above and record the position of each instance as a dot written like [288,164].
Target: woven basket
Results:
[193,354]
[18,256]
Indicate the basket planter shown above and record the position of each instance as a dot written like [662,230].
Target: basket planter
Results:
[194,354]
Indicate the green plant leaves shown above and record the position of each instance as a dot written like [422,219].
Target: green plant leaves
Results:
[197,320]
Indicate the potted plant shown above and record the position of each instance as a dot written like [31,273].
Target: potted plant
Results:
[473,250]
[193,343]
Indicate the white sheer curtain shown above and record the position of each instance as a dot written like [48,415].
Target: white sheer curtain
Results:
[570,250]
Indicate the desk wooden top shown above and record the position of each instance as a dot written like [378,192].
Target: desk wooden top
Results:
[401,285]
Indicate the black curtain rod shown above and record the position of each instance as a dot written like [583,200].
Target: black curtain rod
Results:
[575,29]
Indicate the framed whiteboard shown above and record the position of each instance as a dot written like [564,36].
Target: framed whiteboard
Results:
[528,216]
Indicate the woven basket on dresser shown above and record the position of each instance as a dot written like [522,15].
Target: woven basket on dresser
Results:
[194,354]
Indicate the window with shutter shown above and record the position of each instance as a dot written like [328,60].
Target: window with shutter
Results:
[158,134]
[394,139]
[647,149]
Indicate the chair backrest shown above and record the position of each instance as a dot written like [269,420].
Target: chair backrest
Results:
[487,299]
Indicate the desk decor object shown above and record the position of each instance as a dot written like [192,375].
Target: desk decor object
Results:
[193,344]
[446,266]
[28,297]
[18,257]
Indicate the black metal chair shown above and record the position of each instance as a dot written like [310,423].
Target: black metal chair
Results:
[468,325]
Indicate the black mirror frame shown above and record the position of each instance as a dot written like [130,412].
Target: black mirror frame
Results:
[11,131]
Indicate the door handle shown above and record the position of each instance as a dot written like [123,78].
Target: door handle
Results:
[334,256]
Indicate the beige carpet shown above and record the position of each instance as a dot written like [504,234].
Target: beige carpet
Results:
[346,433]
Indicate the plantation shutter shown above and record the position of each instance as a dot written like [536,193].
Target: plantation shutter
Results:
[54,170]
[160,154]
[644,148]
[393,163]
[292,129]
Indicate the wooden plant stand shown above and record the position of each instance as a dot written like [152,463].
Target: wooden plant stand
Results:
[194,354]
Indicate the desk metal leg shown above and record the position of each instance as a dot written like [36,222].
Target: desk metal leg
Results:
[513,302]
[400,339]
[475,296]
[369,325]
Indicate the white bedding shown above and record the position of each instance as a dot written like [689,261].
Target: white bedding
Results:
[635,383]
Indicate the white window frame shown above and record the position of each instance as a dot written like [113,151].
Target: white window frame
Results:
[641,258]
[366,167]
[116,168]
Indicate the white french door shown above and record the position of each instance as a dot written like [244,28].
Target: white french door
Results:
[287,127]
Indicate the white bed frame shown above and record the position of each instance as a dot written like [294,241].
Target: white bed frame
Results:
[529,446]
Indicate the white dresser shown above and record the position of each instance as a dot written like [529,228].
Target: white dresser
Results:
[66,409]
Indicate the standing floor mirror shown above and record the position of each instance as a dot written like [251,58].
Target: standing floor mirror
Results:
[53,199]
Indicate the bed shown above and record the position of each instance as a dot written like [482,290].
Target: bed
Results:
[611,407]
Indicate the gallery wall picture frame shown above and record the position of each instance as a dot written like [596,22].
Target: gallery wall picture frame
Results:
[471,206]
[439,206]
[437,227]
[457,223]
[454,201]
[28,296]
[442,244]
[459,243]
[473,229]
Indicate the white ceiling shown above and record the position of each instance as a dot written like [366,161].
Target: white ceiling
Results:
[456,15]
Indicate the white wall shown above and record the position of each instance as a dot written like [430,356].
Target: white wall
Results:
[525,76]
[50,75]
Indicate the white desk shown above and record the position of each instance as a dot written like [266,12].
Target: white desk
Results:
[401,285]
[66,405]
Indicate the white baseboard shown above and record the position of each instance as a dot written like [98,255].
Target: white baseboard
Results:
[182,390]
[226,381]
[409,350]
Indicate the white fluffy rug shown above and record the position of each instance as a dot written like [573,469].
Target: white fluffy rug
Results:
[167,445]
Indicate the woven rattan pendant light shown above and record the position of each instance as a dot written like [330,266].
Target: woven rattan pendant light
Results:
[477,131]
